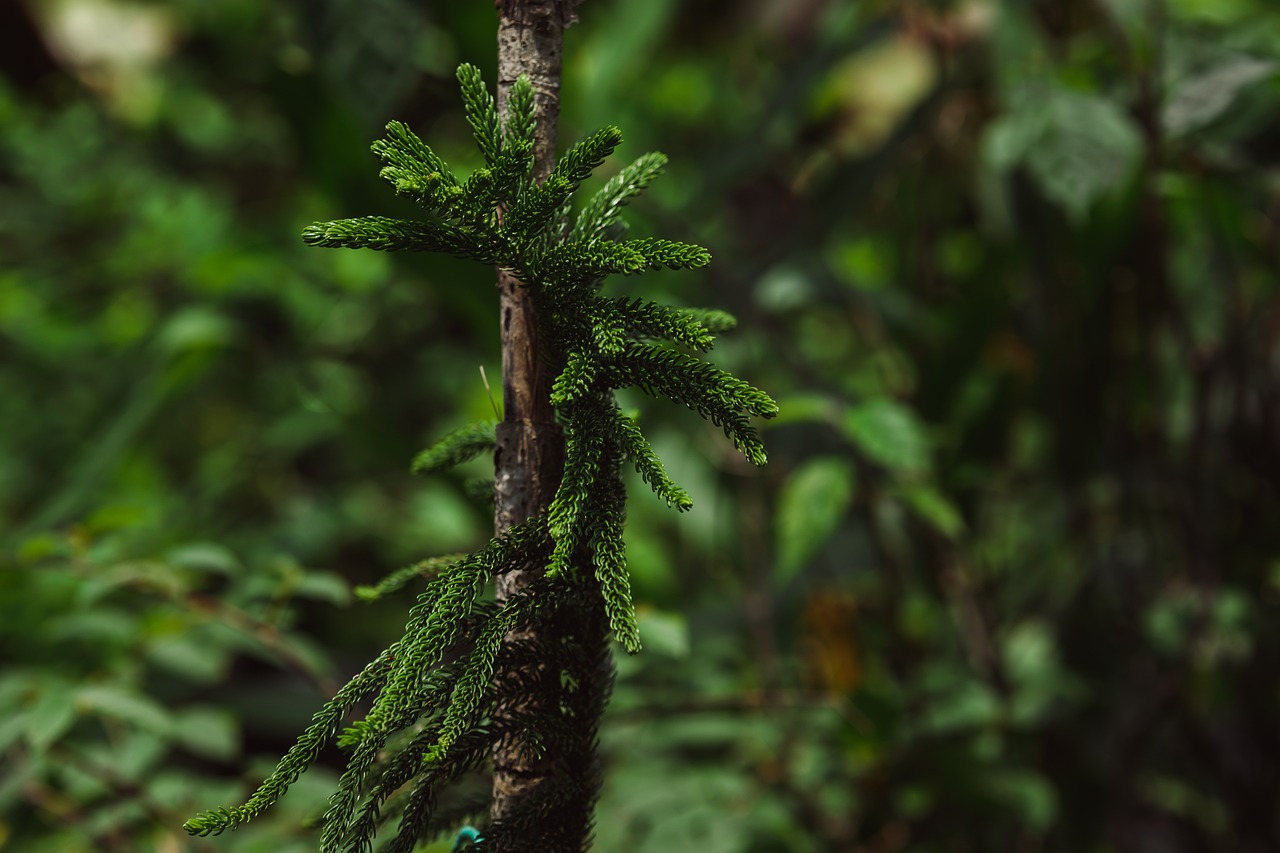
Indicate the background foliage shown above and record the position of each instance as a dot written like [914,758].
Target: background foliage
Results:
[1010,269]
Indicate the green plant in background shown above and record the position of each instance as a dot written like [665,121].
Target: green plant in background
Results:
[432,716]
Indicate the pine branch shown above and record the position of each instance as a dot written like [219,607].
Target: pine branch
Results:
[715,394]
[712,320]
[397,579]
[636,448]
[481,112]
[519,124]
[651,320]
[583,449]
[534,210]
[324,726]
[475,680]
[384,234]
[575,262]
[670,254]
[605,206]
[610,560]
[575,379]
[461,445]
[582,159]
[413,169]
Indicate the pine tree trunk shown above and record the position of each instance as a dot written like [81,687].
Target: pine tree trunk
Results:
[528,465]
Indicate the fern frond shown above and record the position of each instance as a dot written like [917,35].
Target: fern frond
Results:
[461,445]
[481,111]
[605,206]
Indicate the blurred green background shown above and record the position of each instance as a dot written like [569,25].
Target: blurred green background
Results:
[1009,582]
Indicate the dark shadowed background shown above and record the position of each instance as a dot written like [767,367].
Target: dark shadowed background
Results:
[1009,583]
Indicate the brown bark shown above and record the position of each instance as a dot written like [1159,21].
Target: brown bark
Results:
[530,451]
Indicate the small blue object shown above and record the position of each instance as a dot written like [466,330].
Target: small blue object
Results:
[466,835]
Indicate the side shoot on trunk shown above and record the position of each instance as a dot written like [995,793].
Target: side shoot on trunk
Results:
[427,706]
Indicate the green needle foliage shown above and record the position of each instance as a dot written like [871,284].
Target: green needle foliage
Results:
[430,696]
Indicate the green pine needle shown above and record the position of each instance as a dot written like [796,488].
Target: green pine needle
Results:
[461,445]
[481,111]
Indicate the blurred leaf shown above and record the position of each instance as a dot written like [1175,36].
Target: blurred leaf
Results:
[13,725]
[664,633]
[208,732]
[1223,12]
[121,703]
[324,586]
[196,327]
[812,502]
[1076,146]
[888,433]
[1028,794]
[192,655]
[1199,99]
[930,505]
[804,408]
[52,715]
[111,628]
[204,556]
[967,705]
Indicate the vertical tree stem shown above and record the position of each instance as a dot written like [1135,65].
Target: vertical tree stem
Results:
[530,451]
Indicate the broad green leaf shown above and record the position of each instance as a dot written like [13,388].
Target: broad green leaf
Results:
[813,501]
[888,433]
